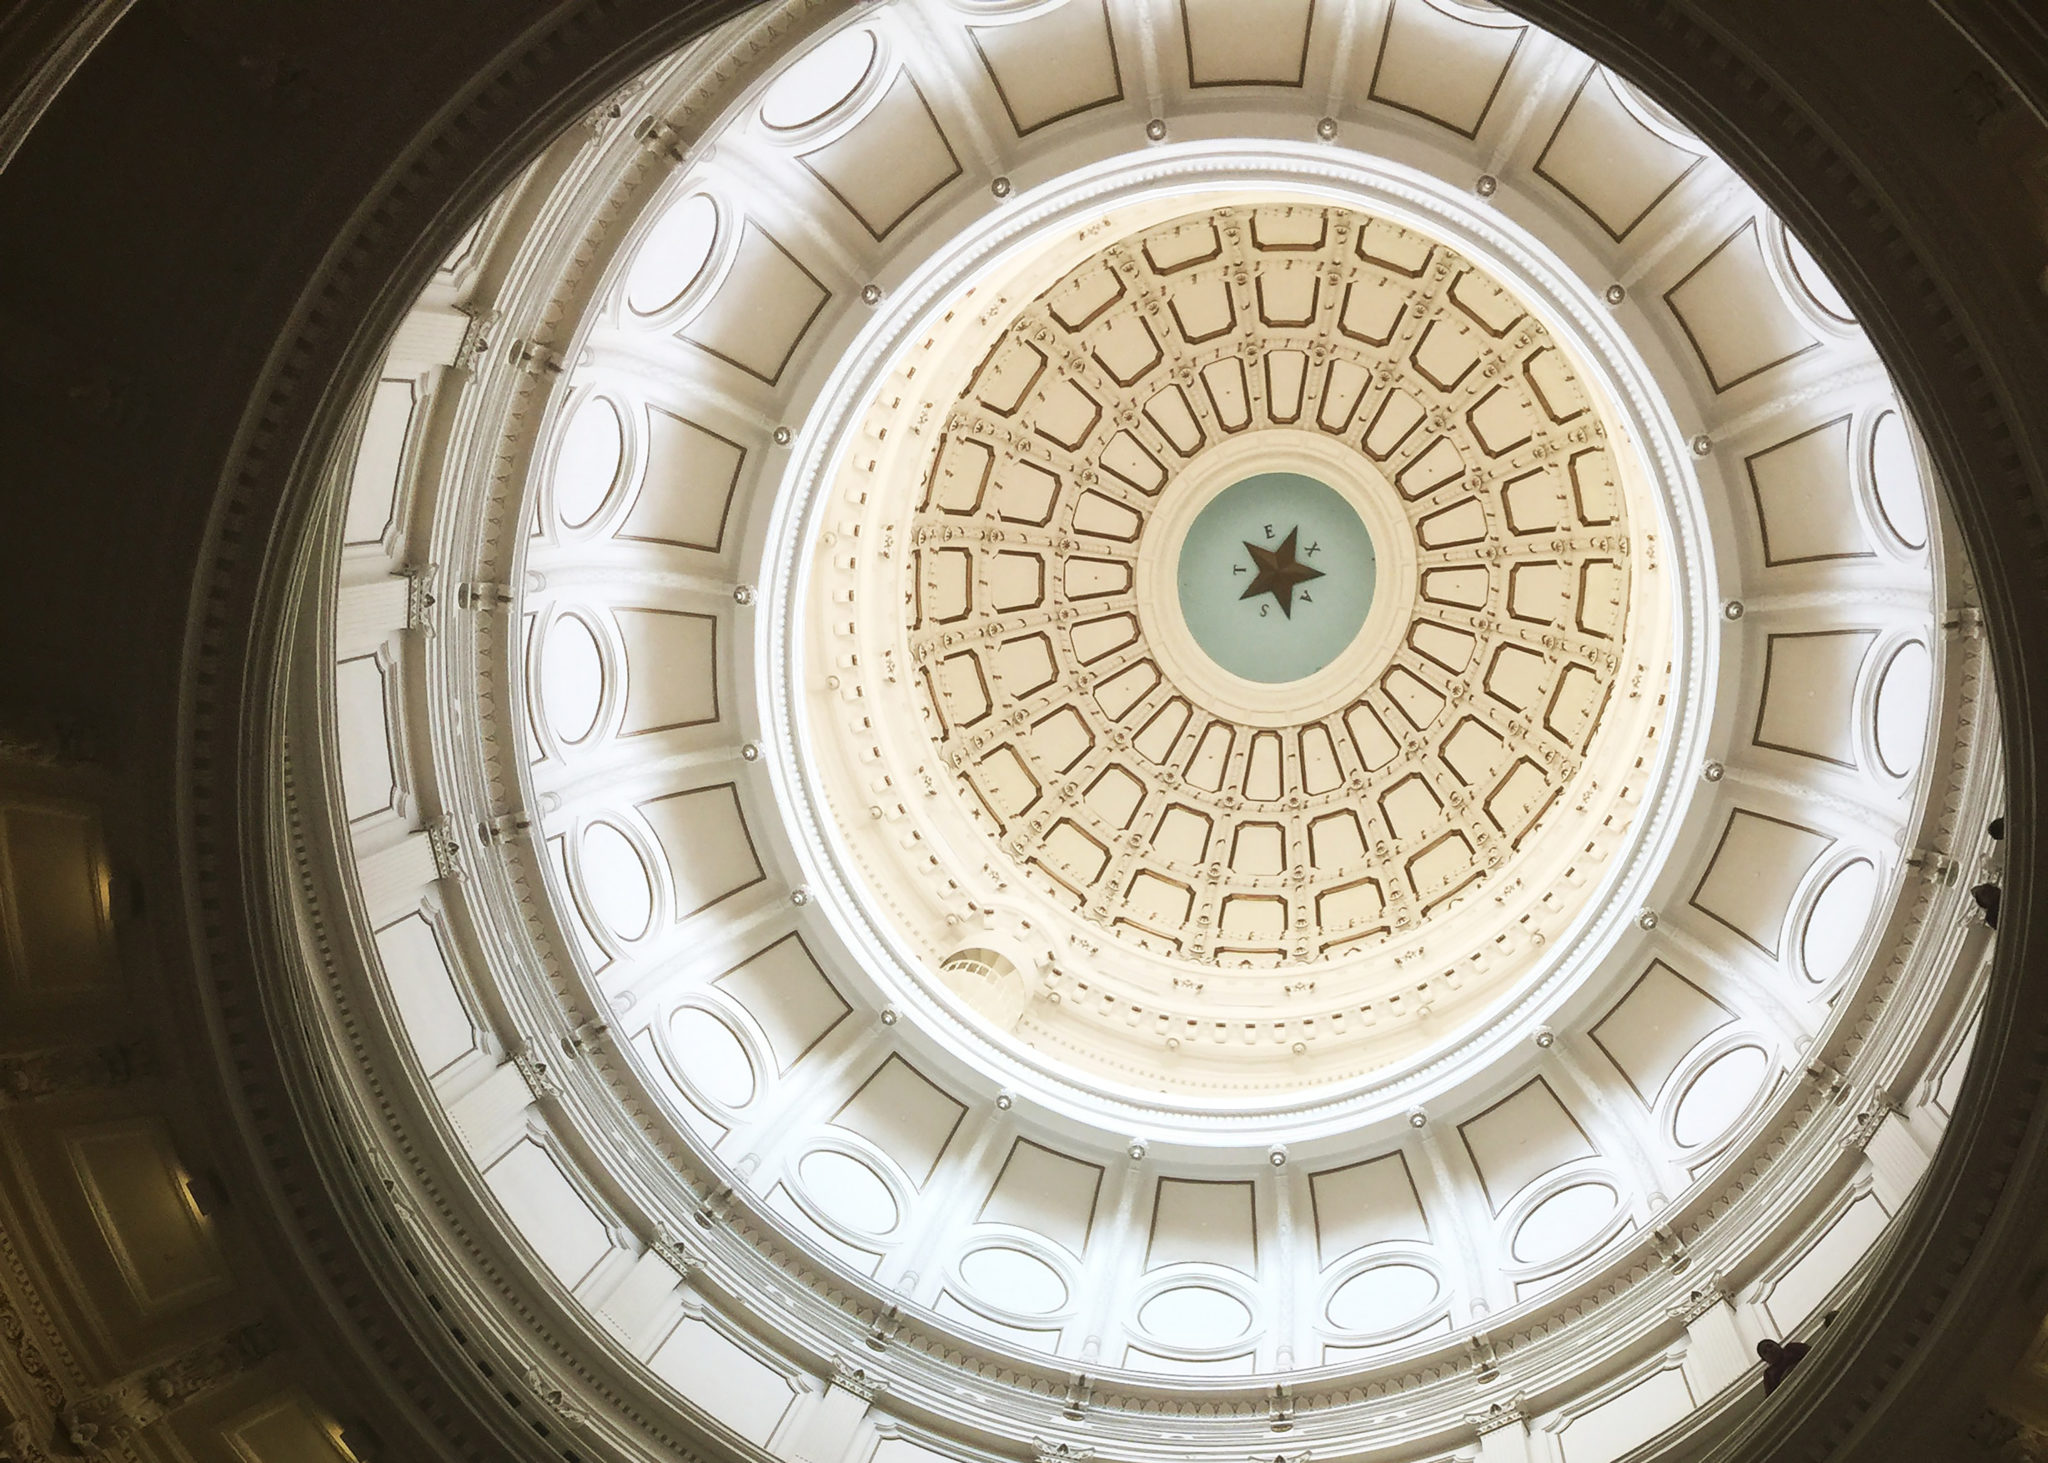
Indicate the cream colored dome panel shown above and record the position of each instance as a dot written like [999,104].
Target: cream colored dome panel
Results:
[1052,65]
[1736,322]
[1114,778]
[875,984]
[1805,497]
[1503,776]
[1224,47]
[1445,62]
[1610,157]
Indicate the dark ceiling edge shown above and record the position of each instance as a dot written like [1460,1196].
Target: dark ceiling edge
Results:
[41,48]
[2012,38]
[424,198]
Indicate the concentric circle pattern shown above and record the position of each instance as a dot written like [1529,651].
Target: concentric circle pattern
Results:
[862,969]
[1246,572]
[1438,379]
[1386,836]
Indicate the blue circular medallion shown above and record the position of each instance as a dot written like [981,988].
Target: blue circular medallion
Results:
[1276,577]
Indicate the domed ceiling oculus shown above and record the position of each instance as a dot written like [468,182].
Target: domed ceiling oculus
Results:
[1241,576]
[1282,650]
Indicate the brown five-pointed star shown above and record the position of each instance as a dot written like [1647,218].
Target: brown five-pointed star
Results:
[1279,572]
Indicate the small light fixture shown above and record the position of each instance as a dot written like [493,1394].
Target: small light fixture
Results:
[1005,1101]
[1156,129]
[1713,772]
[782,435]
[743,594]
[1487,185]
[871,294]
[800,895]
[1732,610]
[1136,1149]
[1545,1037]
[1277,1155]
[1327,129]
[1703,445]
[1647,919]
[1616,294]
[1417,1118]
[1000,187]
[750,751]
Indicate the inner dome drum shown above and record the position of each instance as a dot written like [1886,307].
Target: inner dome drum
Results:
[1278,592]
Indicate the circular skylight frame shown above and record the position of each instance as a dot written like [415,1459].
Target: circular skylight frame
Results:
[1188,174]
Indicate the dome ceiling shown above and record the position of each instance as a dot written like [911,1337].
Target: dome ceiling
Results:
[1196,874]
[879,968]
[1362,855]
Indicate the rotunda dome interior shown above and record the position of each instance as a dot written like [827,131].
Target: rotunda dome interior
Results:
[888,617]
[1105,729]
[1095,787]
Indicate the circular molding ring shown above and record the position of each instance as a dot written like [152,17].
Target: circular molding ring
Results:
[1183,175]
[1329,460]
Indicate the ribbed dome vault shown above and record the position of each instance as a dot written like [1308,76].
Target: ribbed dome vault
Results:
[883,964]
[1198,874]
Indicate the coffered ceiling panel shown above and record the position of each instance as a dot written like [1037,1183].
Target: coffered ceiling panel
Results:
[423,989]
[1199,1220]
[1052,65]
[671,670]
[687,484]
[1230,45]
[705,839]
[784,991]
[137,1190]
[761,308]
[1445,66]
[1732,314]
[374,482]
[1755,871]
[1049,1192]
[1809,704]
[740,1389]
[59,932]
[547,1209]
[1651,1029]
[362,729]
[1610,160]
[1365,1204]
[893,159]
[1522,1137]
[906,1114]
[1805,503]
